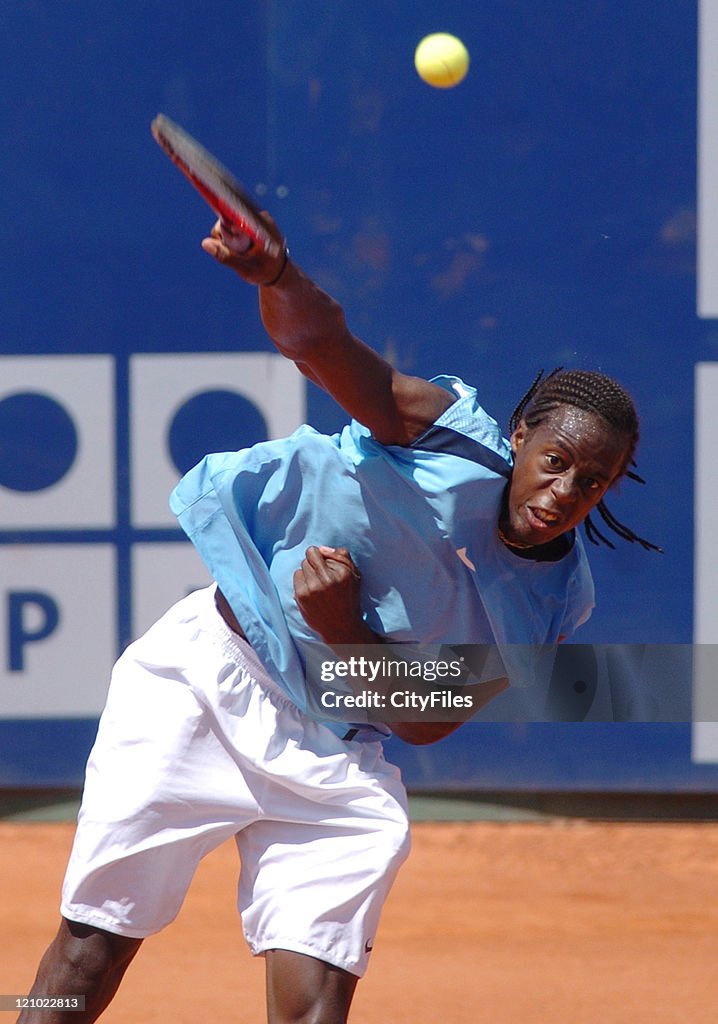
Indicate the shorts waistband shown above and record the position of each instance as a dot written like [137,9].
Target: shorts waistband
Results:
[222,622]
[235,644]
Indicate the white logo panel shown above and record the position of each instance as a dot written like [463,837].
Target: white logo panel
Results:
[38,393]
[58,637]
[163,574]
[160,385]
[705,611]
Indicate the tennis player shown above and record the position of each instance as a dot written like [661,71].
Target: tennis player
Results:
[418,522]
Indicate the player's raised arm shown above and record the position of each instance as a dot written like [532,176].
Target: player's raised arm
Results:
[308,326]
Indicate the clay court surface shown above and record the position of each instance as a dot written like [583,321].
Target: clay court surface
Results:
[565,920]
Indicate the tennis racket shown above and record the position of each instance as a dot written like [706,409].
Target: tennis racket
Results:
[229,200]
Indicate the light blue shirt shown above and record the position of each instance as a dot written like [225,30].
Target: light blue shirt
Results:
[420,523]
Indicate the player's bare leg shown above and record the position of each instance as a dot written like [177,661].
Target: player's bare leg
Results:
[80,961]
[303,989]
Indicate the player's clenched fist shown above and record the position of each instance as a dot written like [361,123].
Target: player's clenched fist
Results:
[326,589]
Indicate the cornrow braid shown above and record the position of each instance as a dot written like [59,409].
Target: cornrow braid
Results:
[596,393]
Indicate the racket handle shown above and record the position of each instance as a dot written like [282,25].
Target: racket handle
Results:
[236,241]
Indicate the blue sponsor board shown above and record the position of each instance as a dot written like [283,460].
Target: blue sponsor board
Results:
[542,213]
[638,757]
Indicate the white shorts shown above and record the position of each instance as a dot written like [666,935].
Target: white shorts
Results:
[197,744]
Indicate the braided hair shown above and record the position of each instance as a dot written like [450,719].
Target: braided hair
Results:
[595,393]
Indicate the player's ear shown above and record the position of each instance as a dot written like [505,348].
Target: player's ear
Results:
[518,437]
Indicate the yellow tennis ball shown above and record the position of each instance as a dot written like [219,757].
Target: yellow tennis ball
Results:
[441,60]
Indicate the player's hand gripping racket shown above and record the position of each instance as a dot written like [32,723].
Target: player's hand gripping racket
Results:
[238,213]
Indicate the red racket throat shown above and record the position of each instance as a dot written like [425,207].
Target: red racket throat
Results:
[217,186]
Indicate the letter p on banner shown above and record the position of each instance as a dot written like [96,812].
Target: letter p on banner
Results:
[31,616]
[58,640]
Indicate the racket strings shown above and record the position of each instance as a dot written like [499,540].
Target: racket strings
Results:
[214,182]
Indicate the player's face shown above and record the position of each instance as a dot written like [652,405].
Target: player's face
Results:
[562,469]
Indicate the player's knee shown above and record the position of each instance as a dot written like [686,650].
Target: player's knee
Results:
[305,990]
[92,954]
